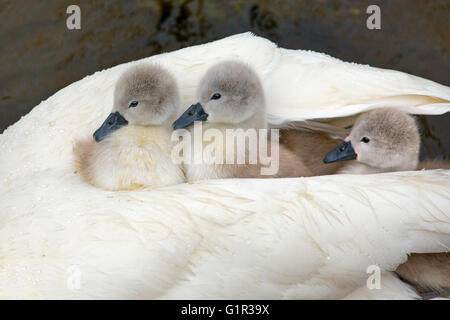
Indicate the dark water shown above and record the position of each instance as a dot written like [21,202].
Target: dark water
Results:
[39,55]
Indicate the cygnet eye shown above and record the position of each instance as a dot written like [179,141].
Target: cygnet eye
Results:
[216,96]
[365,139]
[133,104]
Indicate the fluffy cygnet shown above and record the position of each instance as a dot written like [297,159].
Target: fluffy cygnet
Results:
[132,148]
[231,97]
[383,140]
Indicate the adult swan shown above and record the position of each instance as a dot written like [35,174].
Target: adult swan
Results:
[276,238]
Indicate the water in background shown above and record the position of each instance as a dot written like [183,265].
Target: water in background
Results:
[40,55]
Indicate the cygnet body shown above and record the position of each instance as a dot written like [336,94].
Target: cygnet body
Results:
[132,148]
[231,97]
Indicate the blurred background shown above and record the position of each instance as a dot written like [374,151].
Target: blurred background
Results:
[39,55]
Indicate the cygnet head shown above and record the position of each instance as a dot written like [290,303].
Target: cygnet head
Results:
[145,95]
[385,138]
[230,93]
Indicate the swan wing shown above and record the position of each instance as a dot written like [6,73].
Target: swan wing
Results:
[300,84]
[279,238]
[322,87]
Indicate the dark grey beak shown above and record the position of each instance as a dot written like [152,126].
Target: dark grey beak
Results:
[112,123]
[342,152]
[194,113]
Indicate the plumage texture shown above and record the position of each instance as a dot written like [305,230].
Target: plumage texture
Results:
[131,158]
[269,238]
[428,272]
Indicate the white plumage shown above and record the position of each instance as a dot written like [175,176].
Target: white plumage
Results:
[275,238]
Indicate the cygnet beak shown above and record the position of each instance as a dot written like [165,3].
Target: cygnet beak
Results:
[342,152]
[194,113]
[114,121]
